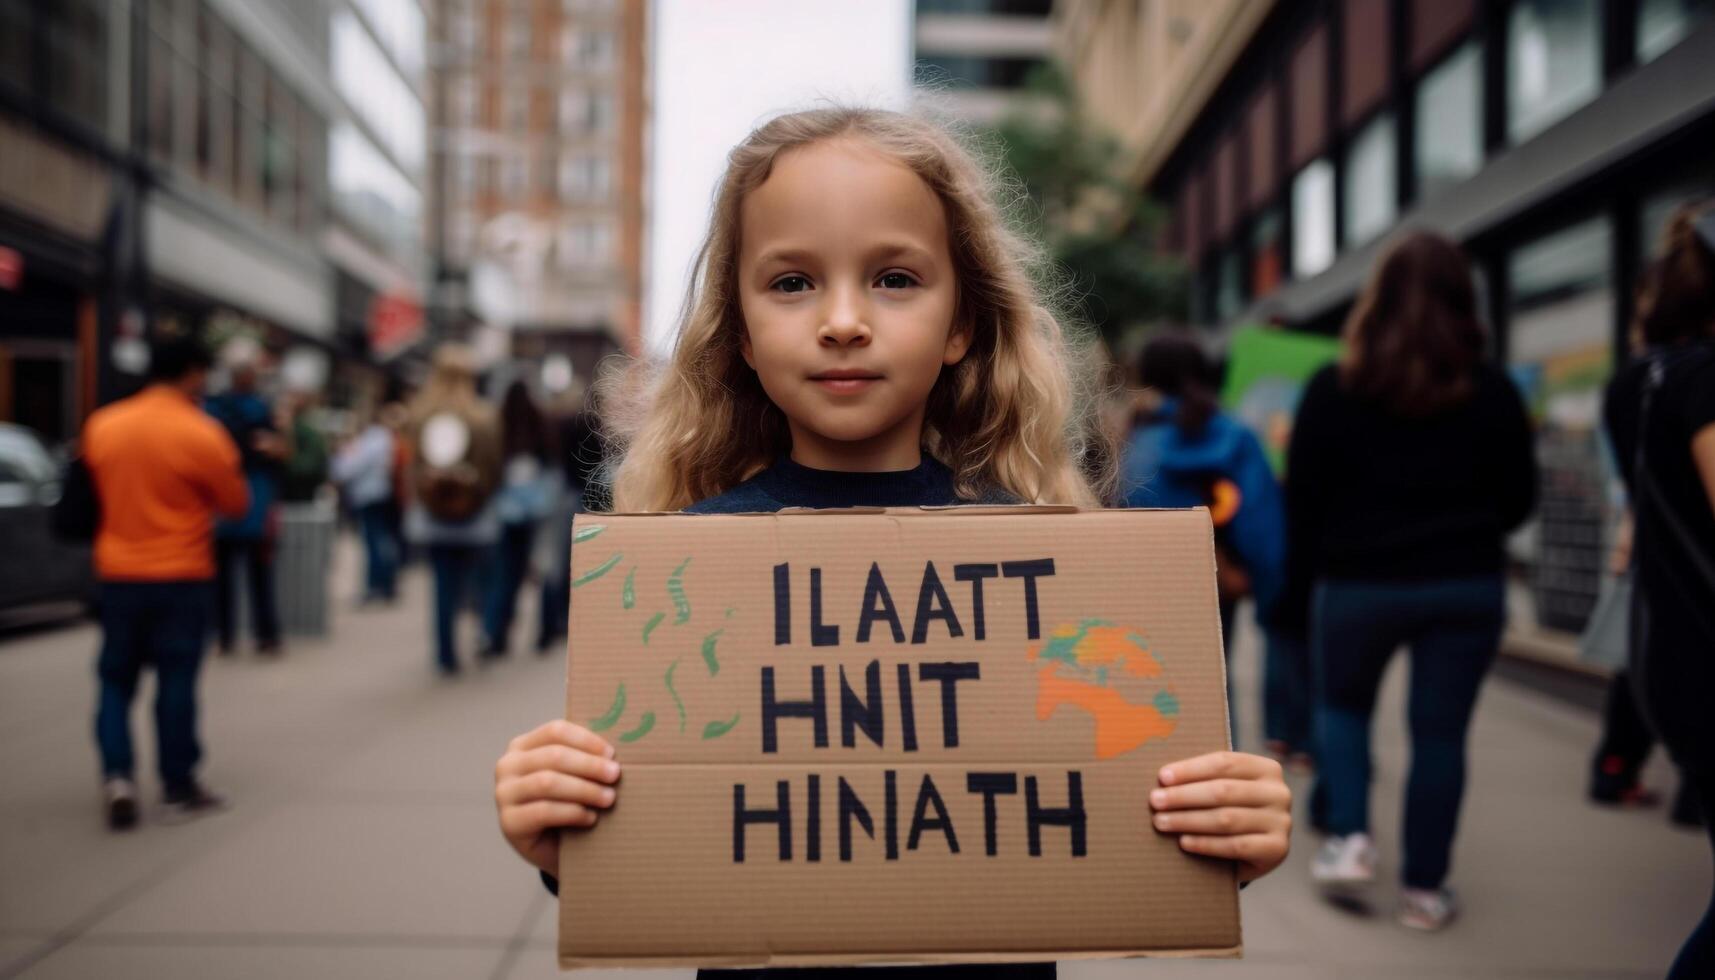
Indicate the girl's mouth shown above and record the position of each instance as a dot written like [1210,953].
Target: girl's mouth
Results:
[845,381]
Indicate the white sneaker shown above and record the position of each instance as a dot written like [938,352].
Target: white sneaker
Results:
[1427,909]
[1345,863]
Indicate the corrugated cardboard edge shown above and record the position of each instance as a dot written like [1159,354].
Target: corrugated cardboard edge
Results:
[929,959]
[932,958]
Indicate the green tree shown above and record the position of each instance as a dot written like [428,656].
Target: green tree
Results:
[1101,230]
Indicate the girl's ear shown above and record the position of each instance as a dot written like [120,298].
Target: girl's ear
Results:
[958,342]
[744,347]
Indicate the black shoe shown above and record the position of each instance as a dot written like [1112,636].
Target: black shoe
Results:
[1615,783]
[190,802]
[121,796]
[270,648]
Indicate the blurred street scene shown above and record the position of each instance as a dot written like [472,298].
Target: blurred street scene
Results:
[365,260]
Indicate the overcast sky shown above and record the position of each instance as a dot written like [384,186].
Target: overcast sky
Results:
[719,69]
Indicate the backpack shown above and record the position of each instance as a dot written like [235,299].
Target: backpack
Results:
[448,484]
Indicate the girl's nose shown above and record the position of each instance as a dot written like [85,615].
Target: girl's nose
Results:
[845,326]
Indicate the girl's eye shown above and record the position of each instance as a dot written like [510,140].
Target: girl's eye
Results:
[791,284]
[895,280]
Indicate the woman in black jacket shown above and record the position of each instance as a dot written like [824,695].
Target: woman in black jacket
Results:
[1660,415]
[1410,461]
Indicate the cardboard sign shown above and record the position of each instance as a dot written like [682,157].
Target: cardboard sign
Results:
[904,735]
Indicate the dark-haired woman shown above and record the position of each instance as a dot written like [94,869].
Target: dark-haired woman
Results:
[1411,459]
[1660,415]
[521,504]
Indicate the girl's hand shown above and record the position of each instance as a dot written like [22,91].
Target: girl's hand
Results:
[560,775]
[1227,805]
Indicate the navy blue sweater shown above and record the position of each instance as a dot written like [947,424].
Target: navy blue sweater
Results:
[788,484]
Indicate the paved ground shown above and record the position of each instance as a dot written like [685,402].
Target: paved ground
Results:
[362,839]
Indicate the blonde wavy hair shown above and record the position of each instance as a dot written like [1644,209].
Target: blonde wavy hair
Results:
[1007,417]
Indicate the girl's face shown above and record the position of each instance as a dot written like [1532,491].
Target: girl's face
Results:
[847,289]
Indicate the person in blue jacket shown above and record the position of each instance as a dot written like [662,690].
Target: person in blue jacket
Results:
[1183,451]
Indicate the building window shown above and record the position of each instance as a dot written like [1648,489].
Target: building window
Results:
[1267,265]
[585,49]
[514,181]
[1554,62]
[1371,190]
[585,113]
[461,235]
[977,72]
[1664,23]
[515,111]
[1560,351]
[77,58]
[584,178]
[1313,219]
[464,30]
[462,97]
[1449,144]
[584,245]
[1229,285]
[518,36]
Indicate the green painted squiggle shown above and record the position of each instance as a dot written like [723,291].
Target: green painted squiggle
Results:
[709,653]
[649,627]
[618,708]
[597,572]
[677,702]
[642,729]
[628,594]
[676,591]
[715,729]
[587,532]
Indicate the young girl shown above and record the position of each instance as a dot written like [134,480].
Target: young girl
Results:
[862,330]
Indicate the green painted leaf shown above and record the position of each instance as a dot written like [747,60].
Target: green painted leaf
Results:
[587,532]
[628,594]
[642,729]
[715,729]
[676,591]
[618,708]
[597,572]
[649,627]
[709,653]
[677,702]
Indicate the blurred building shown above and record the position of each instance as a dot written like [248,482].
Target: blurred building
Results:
[377,168]
[1551,137]
[538,170]
[978,53]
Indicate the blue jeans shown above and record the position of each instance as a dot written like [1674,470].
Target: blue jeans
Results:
[1453,627]
[455,567]
[1286,698]
[380,548]
[163,624]
[511,560]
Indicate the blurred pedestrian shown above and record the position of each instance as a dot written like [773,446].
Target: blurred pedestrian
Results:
[1616,771]
[578,458]
[1660,415]
[1183,451]
[161,470]
[521,504]
[1410,461]
[455,468]
[363,469]
[305,467]
[247,541]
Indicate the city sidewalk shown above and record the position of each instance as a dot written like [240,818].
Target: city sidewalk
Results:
[362,843]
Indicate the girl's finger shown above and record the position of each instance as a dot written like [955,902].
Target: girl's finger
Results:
[1247,847]
[1227,821]
[1219,765]
[547,784]
[562,732]
[534,818]
[557,758]
[1215,793]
